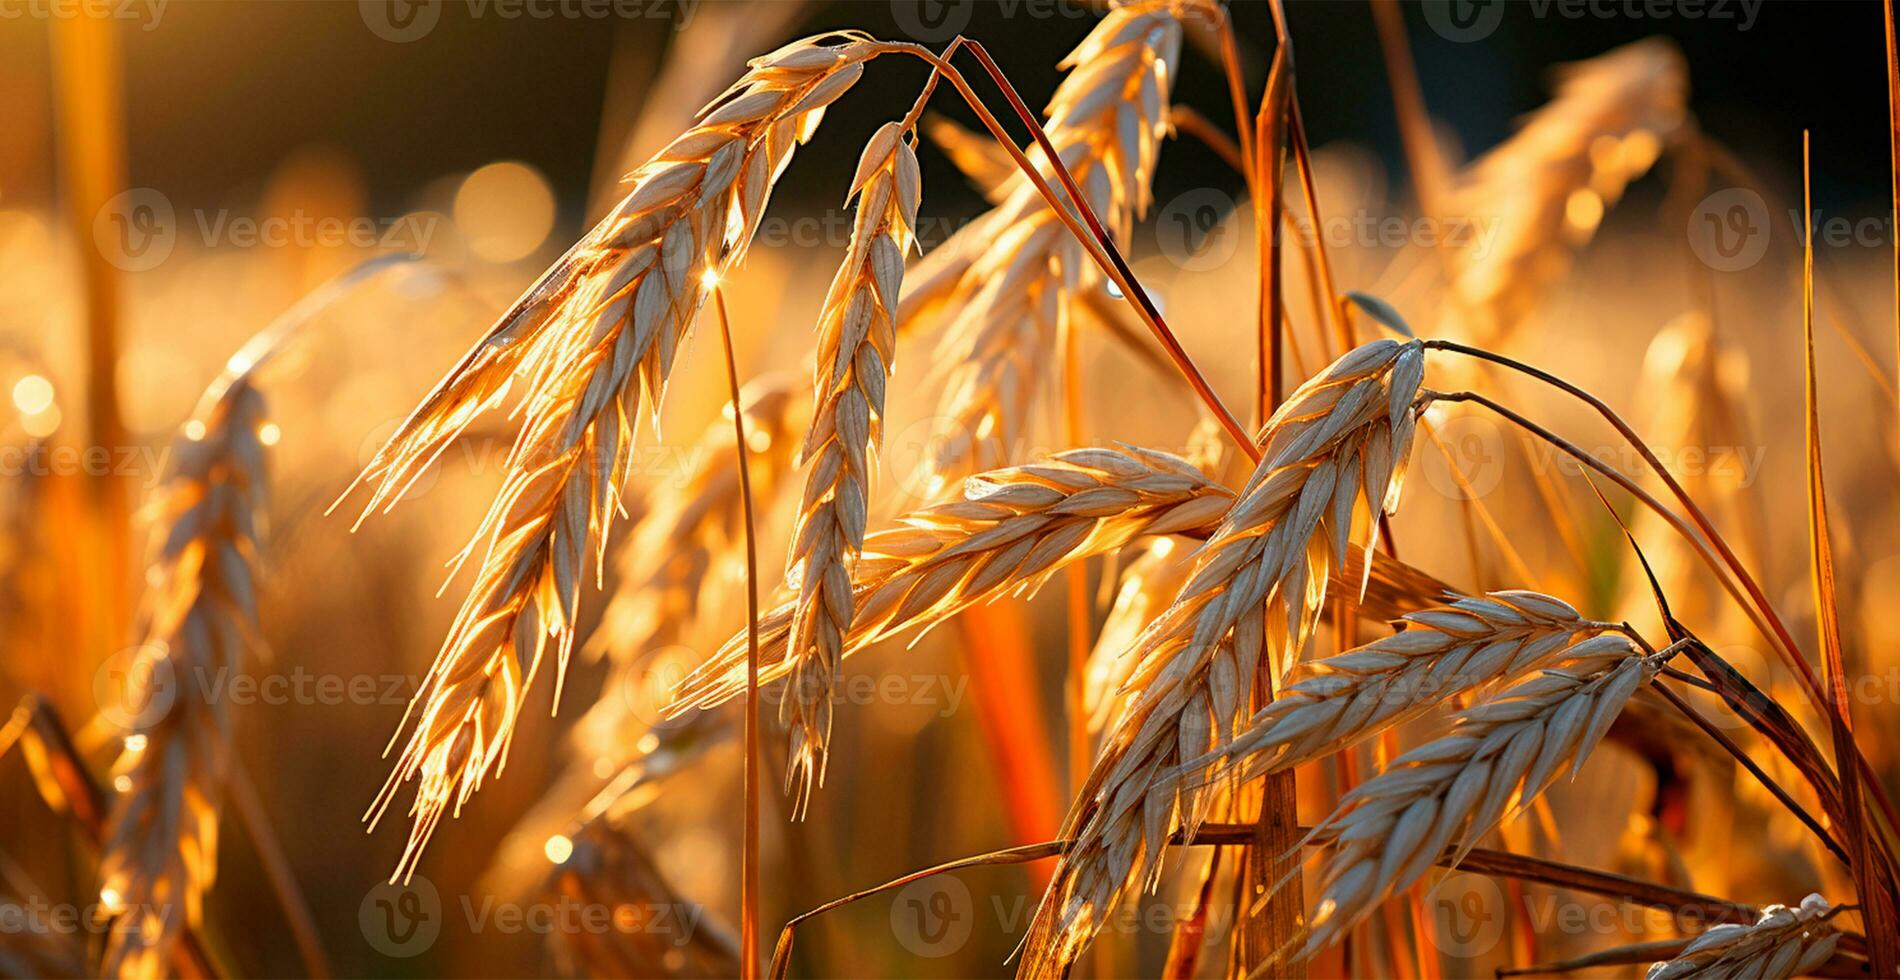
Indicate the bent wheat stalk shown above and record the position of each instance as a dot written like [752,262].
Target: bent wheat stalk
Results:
[1013,529]
[1251,602]
[1786,942]
[592,343]
[856,342]
[1448,793]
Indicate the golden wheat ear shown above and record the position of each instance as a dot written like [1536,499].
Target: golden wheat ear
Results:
[1249,604]
[597,356]
[1024,273]
[1784,942]
[198,618]
[857,339]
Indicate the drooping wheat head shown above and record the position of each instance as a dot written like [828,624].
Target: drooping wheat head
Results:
[592,344]
[1022,274]
[1785,942]
[1448,793]
[1013,529]
[857,339]
[199,615]
[1468,644]
[1545,189]
[1250,603]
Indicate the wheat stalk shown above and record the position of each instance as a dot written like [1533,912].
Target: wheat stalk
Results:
[857,339]
[1451,791]
[593,342]
[1443,652]
[1785,942]
[1548,185]
[160,852]
[1021,275]
[1013,529]
[1252,599]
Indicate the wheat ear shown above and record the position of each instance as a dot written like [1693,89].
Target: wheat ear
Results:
[1469,643]
[1785,942]
[857,339]
[1545,189]
[1013,529]
[592,350]
[1106,122]
[1450,792]
[654,932]
[160,854]
[1251,601]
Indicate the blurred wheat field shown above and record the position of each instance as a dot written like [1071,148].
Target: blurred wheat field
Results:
[948,489]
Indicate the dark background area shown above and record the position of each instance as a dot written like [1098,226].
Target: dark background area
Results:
[221,91]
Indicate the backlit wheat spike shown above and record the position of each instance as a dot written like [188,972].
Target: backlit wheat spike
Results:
[1249,604]
[654,931]
[673,559]
[590,357]
[1698,388]
[199,615]
[1013,529]
[1149,583]
[1470,643]
[1106,122]
[1785,942]
[1450,792]
[1545,189]
[857,338]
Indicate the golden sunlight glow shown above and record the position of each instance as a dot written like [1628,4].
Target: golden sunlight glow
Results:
[269,433]
[558,849]
[505,211]
[33,394]
[710,279]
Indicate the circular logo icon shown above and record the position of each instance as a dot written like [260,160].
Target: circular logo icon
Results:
[401,919]
[912,454]
[649,686]
[1467,915]
[1472,463]
[1193,230]
[136,687]
[1729,229]
[400,21]
[136,230]
[932,20]
[1464,21]
[933,917]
